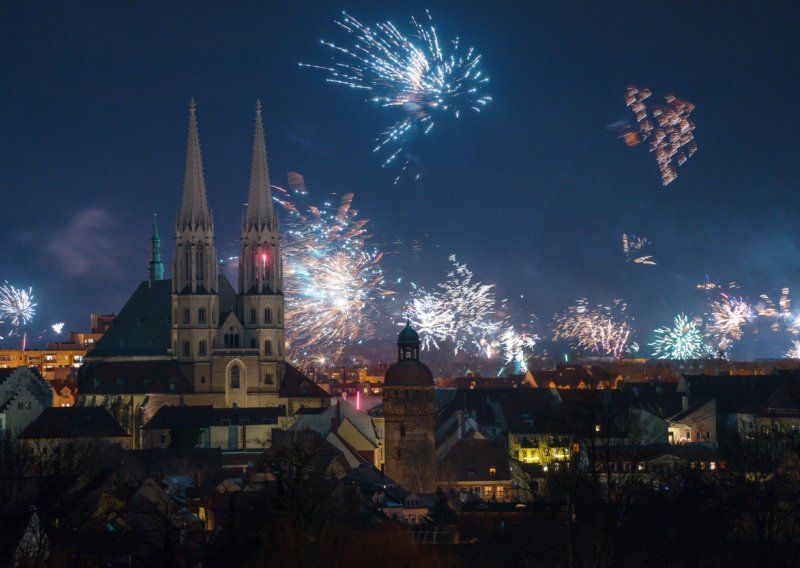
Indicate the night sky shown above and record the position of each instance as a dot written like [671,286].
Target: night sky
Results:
[534,193]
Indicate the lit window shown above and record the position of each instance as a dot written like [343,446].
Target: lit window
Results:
[712,465]
[492,471]
[597,427]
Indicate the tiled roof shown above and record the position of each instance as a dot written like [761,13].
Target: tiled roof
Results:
[296,385]
[168,417]
[134,377]
[74,422]
[475,460]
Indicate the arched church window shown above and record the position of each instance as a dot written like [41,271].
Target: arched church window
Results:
[252,315]
[280,316]
[236,340]
[201,315]
[187,315]
[202,349]
[199,264]
[253,343]
[268,347]
[267,315]
[235,377]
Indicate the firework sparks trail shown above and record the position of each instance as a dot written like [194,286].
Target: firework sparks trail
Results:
[632,247]
[668,128]
[728,316]
[781,315]
[415,73]
[58,327]
[16,306]
[602,329]
[332,280]
[514,345]
[682,341]
[458,310]
[794,350]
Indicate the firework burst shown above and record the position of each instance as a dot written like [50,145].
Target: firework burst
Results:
[458,310]
[794,350]
[682,341]
[601,329]
[415,73]
[727,317]
[667,127]
[332,280]
[16,306]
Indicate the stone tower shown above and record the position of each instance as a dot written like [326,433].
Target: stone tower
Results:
[261,269]
[195,301]
[408,410]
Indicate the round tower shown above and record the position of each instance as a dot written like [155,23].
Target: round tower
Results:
[409,410]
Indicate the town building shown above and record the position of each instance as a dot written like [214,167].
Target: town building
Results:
[24,395]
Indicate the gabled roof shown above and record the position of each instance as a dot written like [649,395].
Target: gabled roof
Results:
[13,380]
[134,377]
[143,326]
[296,385]
[74,422]
[735,394]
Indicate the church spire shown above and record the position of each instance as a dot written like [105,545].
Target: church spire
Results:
[259,214]
[194,212]
[155,269]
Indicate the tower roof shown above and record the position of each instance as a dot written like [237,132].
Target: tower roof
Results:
[259,214]
[194,212]
[408,336]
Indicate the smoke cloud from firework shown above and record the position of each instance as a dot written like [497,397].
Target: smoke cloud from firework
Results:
[414,73]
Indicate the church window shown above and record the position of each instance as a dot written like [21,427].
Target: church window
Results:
[280,348]
[252,315]
[203,379]
[201,315]
[187,349]
[235,340]
[268,379]
[253,343]
[267,315]
[202,348]
[187,315]
[235,377]
[227,340]
[268,347]
[280,316]
[199,265]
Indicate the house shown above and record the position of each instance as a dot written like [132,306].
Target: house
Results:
[476,467]
[24,395]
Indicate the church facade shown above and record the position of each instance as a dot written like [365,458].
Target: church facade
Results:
[194,339]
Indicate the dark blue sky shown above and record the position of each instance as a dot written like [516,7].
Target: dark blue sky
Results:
[533,194]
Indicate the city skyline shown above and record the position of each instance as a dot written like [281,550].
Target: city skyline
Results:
[95,144]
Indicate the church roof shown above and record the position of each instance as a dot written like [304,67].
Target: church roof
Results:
[408,373]
[194,212]
[134,377]
[259,214]
[143,326]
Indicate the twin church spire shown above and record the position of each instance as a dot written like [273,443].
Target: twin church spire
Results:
[195,269]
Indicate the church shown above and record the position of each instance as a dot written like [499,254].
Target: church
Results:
[194,339]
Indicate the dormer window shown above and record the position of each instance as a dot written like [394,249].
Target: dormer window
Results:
[492,471]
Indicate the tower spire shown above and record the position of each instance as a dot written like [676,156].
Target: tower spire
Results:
[155,269]
[259,214]
[194,212]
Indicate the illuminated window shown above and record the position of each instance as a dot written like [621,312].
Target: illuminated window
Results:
[235,377]
[492,471]
[597,428]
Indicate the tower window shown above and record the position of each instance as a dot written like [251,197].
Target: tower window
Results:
[267,315]
[201,315]
[235,377]
[268,347]
[280,348]
[187,315]
[253,343]
[202,348]
[280,316]
[252,315]
[268,379]
[235,340]
[227,340]
[187,349]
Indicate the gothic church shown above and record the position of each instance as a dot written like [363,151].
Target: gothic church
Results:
[193,339]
